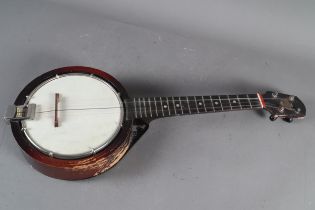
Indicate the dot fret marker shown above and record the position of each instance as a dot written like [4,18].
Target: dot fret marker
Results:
[157,107]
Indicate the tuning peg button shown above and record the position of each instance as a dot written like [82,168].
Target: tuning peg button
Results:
[273,117]
[289,120]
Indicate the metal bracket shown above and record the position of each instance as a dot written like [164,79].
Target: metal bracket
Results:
[138,129]
[21,112]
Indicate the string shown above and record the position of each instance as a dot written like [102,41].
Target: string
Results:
[62,110]
[189,100]
[212,99]
[137,109]
[213,109]
[272,98]
[141,100]
[238,105]
[198,100]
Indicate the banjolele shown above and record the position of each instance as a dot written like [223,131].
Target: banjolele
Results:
[77,122]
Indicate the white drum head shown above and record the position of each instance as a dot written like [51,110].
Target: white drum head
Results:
[90,114]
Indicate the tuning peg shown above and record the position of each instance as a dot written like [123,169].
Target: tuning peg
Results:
[287,119]
[273,117]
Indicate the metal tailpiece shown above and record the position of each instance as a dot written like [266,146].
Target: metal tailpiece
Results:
[21,112]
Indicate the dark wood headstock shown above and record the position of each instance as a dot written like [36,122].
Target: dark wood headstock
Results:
[287,107]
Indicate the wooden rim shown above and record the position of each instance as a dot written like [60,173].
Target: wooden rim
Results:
[75,168]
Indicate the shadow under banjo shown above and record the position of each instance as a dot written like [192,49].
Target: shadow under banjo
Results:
[77,122]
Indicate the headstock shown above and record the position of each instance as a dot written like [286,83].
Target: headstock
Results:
[283,106]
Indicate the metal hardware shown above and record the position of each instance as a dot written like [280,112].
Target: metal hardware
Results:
[291,98]
[281,110]
[273,117]
[22,112]
[286,103]
[93,151]
[288,119]
[138,129]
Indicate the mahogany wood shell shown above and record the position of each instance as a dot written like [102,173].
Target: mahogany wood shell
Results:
[78,168]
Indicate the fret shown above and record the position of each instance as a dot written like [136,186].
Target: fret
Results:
[225,102]
[220,103]
[174,105]
[187,100]
[228,99]
[239,102]
[147,106]
[145,109]
[244,101]
[151,107]
[165,106]
[200,104]
[159,107]
[192,105]
[140,112]
[196,104]
[188,106]
[204,103]
[178,105]
[184,104]
[216,103]
[168,106]
[171,106]
[149,101]
[181,106]
[212,103]
[156,108]
[162,106]
[135,104]
[249,101]
[208,104]
[235,105]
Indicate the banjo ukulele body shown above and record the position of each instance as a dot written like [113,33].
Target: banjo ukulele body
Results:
[83,162]
[77,122]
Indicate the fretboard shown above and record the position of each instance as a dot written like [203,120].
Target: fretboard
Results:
[157,107]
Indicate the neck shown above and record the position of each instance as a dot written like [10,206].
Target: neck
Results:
[158,107]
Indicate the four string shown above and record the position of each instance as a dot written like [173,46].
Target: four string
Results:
[239,105]
[250,104]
